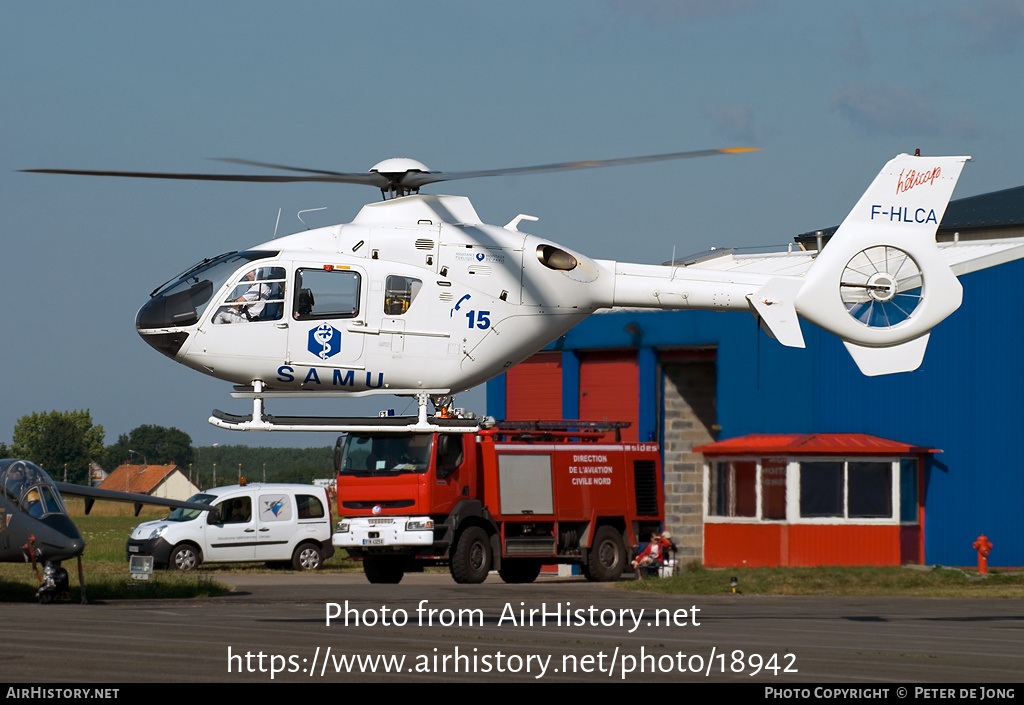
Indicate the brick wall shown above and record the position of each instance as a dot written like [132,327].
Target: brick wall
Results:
[688,394]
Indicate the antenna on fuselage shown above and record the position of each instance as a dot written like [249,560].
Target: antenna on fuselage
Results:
[308,210]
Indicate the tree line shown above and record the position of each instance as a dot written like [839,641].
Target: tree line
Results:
[65,443]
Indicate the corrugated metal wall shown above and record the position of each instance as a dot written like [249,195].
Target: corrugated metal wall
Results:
[534,389]
[609,389]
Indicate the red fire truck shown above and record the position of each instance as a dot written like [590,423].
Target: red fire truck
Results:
[510,498]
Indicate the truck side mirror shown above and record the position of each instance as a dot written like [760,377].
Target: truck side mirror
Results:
[214,517]
[449,454]
[339,451]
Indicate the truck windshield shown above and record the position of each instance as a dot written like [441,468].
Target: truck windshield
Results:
[385,454]
[190,514]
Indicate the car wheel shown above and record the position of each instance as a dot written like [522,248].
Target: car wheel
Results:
[185,556]
[307,557]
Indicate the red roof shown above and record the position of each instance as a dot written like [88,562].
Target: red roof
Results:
[811,444]
[141,479]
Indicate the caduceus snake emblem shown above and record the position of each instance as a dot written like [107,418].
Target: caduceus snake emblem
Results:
[323,335]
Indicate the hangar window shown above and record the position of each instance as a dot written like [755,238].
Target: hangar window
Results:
[812,491]
[846,489]
[821,489]
[908,491]
[734,488]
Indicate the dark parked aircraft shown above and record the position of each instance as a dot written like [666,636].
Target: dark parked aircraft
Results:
[35,527]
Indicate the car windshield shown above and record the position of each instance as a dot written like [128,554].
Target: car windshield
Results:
[385,454]
[190,514]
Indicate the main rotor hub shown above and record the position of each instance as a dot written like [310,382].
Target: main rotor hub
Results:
[399,165]
[395,169]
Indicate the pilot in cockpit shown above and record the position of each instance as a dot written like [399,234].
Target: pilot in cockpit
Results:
[247,307]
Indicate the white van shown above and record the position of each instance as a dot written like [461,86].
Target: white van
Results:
[257,522]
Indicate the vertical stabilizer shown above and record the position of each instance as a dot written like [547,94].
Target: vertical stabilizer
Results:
[881,282]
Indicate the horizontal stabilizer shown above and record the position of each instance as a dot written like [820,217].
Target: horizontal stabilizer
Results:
[905,357]
[774,303]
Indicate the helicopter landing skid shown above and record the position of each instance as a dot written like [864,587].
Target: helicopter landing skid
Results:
[258,420]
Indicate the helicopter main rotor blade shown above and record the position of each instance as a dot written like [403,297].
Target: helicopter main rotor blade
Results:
[368,179]
[415,180]
[301,170]
[410,180]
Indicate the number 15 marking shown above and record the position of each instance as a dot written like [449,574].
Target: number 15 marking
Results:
[479,319]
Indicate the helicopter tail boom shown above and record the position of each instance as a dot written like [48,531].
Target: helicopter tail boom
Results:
[881,283]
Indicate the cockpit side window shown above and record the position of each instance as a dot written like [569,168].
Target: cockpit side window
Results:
[257,296]
[399,293]
[322,293]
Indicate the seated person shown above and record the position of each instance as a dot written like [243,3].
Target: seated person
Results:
[656,552]
[248,306]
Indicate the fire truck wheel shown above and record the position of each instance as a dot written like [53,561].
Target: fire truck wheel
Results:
[519,570]
[471,560]
[383,570]
[607,557]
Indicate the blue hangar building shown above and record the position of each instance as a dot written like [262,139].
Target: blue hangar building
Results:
[801,459]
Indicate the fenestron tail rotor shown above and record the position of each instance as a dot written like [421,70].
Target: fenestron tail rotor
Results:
[881,286]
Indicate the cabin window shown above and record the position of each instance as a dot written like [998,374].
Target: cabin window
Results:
[399,293]
[321,293]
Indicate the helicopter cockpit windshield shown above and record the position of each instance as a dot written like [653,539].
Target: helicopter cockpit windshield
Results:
[182,301]
[28,486]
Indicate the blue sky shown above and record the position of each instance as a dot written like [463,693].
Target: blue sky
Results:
[830,92]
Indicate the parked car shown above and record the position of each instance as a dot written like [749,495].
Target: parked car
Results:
[275,523]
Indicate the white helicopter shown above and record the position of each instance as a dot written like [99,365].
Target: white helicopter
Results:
[417,296]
